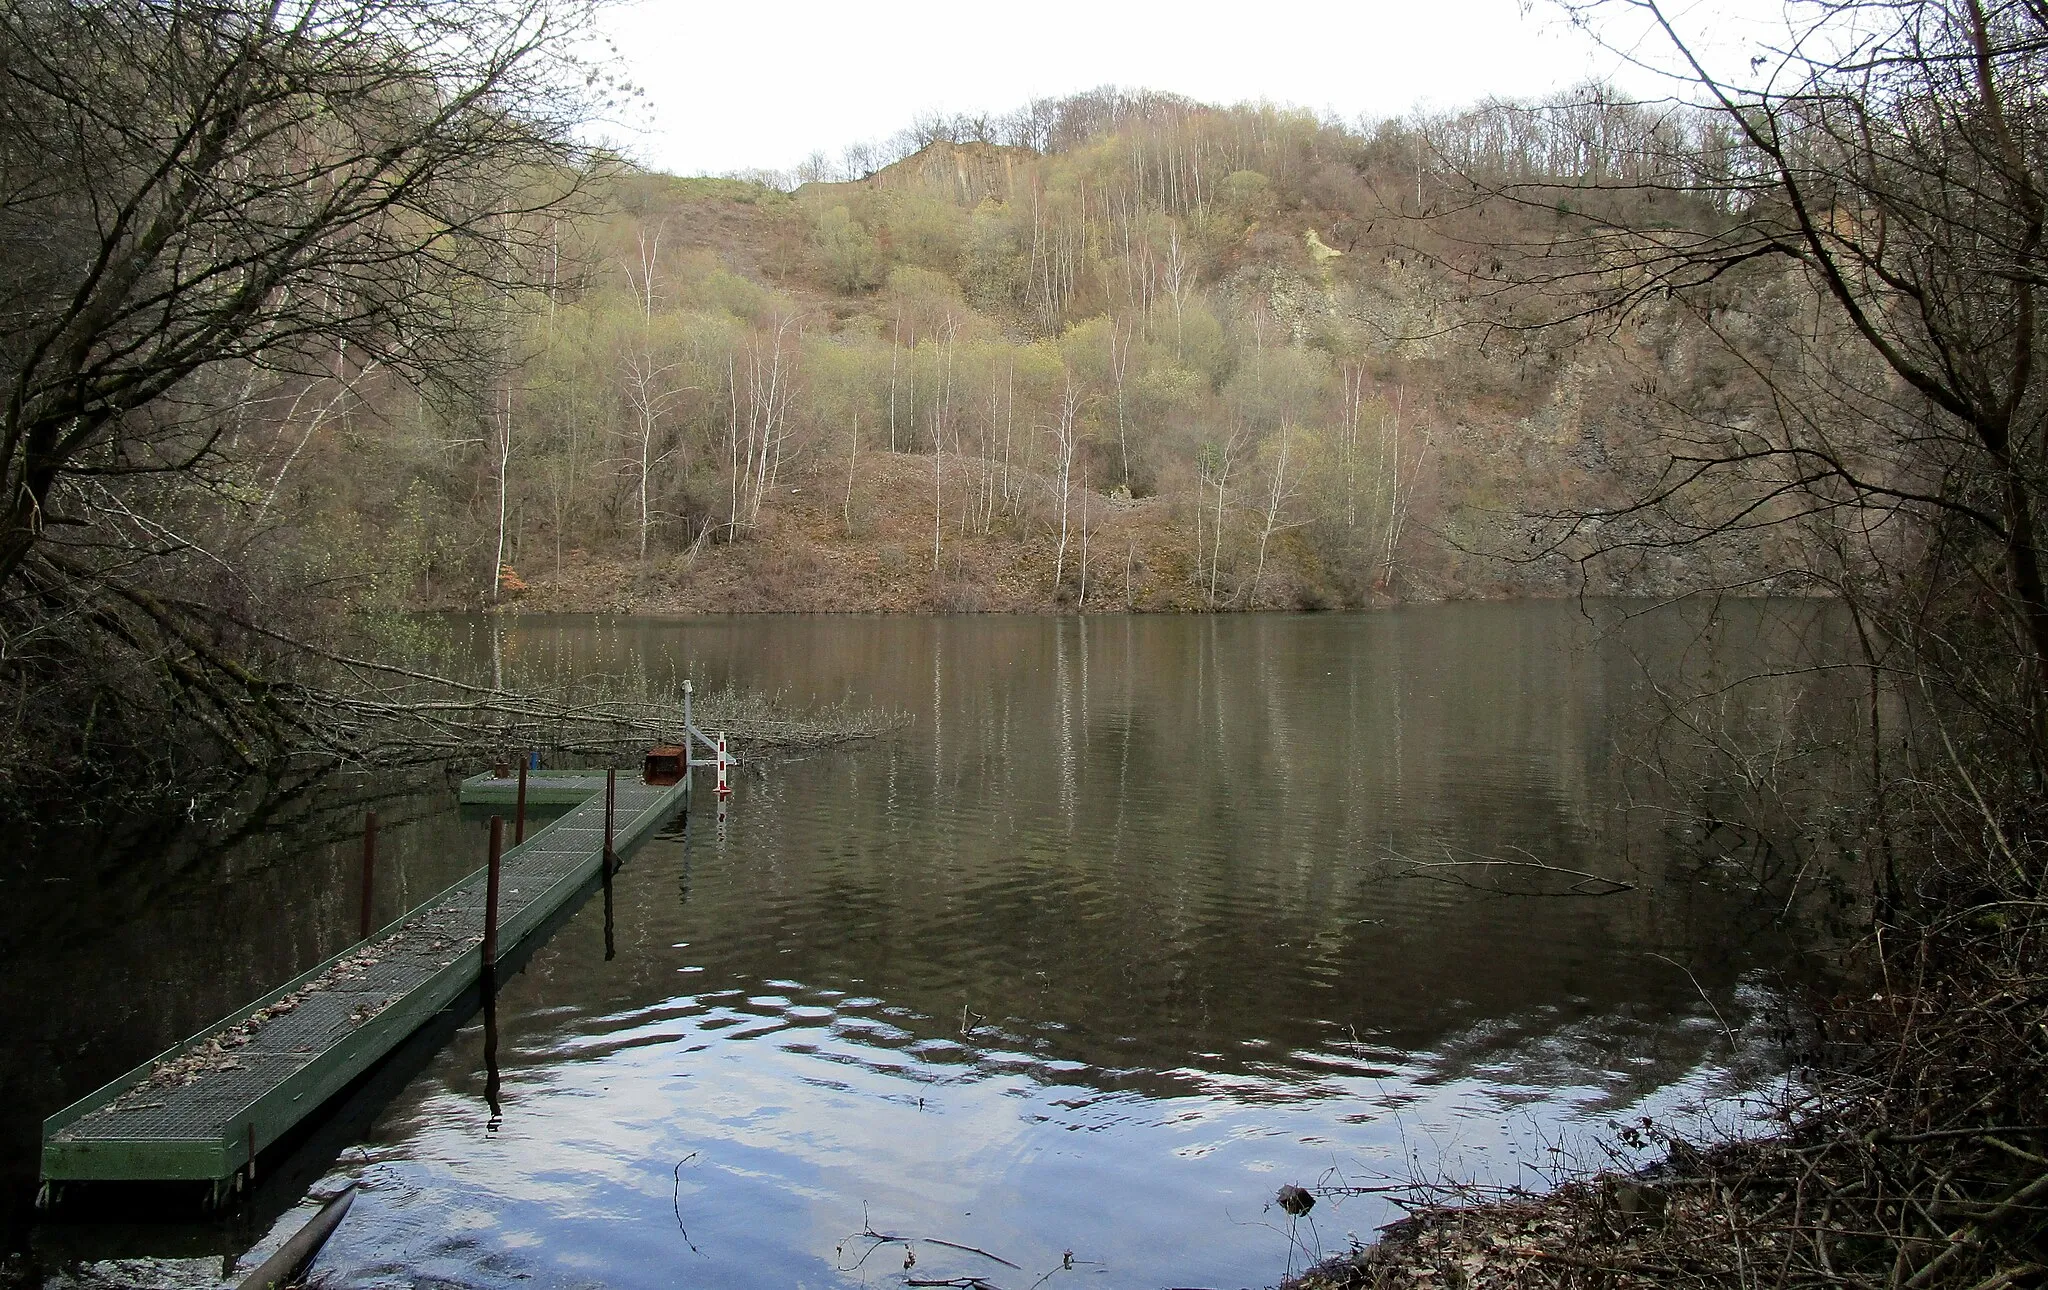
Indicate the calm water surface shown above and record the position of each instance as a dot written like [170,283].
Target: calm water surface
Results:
[1133,922]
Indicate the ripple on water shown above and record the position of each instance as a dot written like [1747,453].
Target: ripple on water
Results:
[1135,922]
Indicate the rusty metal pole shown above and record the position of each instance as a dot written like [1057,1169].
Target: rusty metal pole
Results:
[369,870]
[611,796]
[491,894]
[519,812]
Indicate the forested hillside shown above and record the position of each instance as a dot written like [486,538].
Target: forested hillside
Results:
[1115,350]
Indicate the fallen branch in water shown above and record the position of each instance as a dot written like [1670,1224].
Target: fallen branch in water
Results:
[676,1200]
[970,1249]
[1584,884]
[423,721]
[879,1239]
[892,1238]
[393,715]
[365,711]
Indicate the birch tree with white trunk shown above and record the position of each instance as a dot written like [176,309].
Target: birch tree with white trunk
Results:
[1066,429]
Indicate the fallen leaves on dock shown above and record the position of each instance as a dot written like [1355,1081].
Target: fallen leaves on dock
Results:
[426,934]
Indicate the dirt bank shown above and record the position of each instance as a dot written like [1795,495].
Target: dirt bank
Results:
[812,550]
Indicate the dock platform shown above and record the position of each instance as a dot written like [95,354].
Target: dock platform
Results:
[543,788]
[204,1110]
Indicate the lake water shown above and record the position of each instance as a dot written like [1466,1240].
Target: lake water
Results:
[1132,922]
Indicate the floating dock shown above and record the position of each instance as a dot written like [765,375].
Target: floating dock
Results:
[203,1111]
[543,788]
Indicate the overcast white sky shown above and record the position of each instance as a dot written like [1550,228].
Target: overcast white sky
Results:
[732,86]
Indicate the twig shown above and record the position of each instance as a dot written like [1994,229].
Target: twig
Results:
[880,1239]
[1612,886]
[1726,1029]
[970,1249]
[1966,1238]
[676,1199]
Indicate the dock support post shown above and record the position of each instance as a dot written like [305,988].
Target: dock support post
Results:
[369,871]
[610,945]
[611,797]
[491,894]
[519,811]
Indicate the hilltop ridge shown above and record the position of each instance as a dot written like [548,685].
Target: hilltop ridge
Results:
[964,173]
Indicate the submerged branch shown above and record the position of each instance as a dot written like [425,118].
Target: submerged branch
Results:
[420,717]
[1455,870]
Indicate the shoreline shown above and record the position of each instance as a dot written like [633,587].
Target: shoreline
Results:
[526,605]
[808,552]
[1916,1156]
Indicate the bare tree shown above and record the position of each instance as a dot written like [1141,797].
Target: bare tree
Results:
[1066,431]
[817,169]
[1281,490]
[651,389]
[204,197]
[1180,283]
[1853,216]
[1396,472]
[852,456]
[941,413]
[1217,461]
[1857,218]
[502,450]
[1082,600]
[1119,373]
[859,160]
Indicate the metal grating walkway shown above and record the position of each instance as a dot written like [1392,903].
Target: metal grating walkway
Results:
[202,1110]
